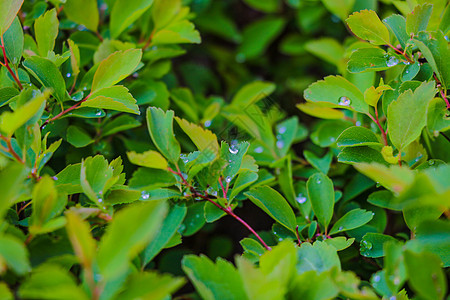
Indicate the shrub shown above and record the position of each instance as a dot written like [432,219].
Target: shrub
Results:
[116,153]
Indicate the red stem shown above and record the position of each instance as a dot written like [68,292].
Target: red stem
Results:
[441,91]
[6,64]
[11,150]
[227,210]
[383,133]
[65,111]
[402,53]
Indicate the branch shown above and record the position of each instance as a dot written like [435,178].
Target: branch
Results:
[6,65]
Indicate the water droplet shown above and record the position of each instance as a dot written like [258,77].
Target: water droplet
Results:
[376,278]
[406,72]
[182,228]
[145,195]
[233,149]
[55,178]
[81,27]
[344,101]
[300,199]
[280,144]
[392,61]
[446,37]
[207,123]
[259,149]
[228,179]
[341,228]
[280,239]
[282,130]
[319,181]
[431,162]
[358,123]
[85,89]
[367,245]
[396,281]
[100,200]
[185,194]
[68,75]
[332,139]
[98,112]
[135,75]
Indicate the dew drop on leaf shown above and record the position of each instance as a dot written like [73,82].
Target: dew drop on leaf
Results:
[344,101]
[392,61]
[280,144]
[341,228]
[228,179]
[145,195]
[207,123]
[376,278]
[282,130]
[100,200]
[258,149]
[300,199]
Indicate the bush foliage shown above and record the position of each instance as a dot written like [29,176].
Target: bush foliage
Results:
[136,136]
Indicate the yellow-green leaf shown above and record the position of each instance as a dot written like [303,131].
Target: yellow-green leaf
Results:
[149,159]
[368,26]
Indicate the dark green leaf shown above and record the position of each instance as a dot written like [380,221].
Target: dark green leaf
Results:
[321,195]
[270,201]
[353,219]
[397,23]
[319,257]
[13,39]
[372,244]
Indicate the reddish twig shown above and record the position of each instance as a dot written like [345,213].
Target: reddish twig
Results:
[383,133]
[6,65]
[65,111]
[11,149]
[402,53]
[227,210]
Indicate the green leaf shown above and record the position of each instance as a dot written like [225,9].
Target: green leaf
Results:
[203,138]
[95,178]
[353,219]
[148,285]
[13,39]
[418,19]
[426,277]
[397,23]
[321,164]
[163,11]
[160,127]
[46,30]
[372,244]
[258,36]
[384,199]
[269,6]
[252,93]
[47,204]
[410,71]
[179,32]
[14,254]
[84,12]
[130,231]
[47,73]
[51,282]
[5,293]
[234,155]
[321,195]
[149,159]
[11,121]
[366,25]
[270,201]
[78,137]
[357,136]
[311,285]
[340,8]
[168,229]
[340,242]
[115,68]
[83,243]
[124,13]
[244,180]
[319,257]
[319,111]
[437,119]
[328,49]
[370,60]
[434,48]
[115,98]
[8,11]
[363,154]
[433,236]
[336,91]
[12,179]
[214,281]
[405,116]
[121,123]
[394,178]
